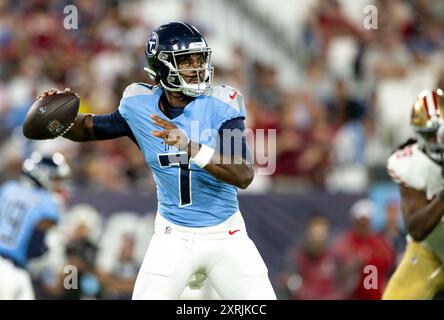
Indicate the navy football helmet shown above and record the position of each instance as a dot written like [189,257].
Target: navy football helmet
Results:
[169,43]
[43,171]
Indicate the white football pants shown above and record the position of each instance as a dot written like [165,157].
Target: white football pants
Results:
[223,253]
[15,283]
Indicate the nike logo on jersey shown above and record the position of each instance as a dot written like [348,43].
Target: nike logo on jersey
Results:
[232,95]
[233,232]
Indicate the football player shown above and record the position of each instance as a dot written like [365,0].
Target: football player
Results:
[28,209]
[191,135]
[418,169]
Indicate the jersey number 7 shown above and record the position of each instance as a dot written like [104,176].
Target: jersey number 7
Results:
[181,161]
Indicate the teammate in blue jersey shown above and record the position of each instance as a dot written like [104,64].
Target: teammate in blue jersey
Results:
[28,209]
[192,137]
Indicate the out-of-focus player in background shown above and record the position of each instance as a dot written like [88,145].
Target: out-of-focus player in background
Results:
[418,169]
[28,209]
[199,228]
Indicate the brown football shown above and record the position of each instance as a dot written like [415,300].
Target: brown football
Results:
[51,116]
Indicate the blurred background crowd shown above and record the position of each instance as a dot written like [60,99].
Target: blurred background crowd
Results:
[337,94]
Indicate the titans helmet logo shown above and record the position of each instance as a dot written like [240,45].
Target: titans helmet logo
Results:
[152,44]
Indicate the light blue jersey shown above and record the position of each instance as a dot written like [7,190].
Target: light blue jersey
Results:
[21,208]
[187,195]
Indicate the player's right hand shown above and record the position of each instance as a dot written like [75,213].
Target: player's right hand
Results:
[51,92]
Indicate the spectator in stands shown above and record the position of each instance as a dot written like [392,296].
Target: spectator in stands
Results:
[348,164]
[361,247]
[392,230]
[311,271]
[386,57]
[266,96]
[77,238]
[81,253]
[326,21]
[317,80]
[119,283]
[303,143]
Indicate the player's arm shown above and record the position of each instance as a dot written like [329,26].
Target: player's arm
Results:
[82,130]
[230,167]
[45,224]
[420,215]
[90,127]
[36,243]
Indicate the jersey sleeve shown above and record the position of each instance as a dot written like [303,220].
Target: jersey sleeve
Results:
[114,125]
[110,126]
[48,209]
[232,140]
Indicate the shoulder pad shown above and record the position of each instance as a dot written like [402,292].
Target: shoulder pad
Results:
[138,89]
[412,168]
[402,167]
[230,96]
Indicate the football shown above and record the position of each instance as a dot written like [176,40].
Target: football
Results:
[51,116]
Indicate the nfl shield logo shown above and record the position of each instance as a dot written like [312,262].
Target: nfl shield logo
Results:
[42,110]
[168,230]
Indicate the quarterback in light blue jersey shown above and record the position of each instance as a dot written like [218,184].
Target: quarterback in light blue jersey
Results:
[188,195]
[28,209]
[191,134]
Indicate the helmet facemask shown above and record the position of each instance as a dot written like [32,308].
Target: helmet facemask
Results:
[427,120]
[432,142]
[174,78]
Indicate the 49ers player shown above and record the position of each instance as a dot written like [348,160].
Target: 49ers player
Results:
[418,169]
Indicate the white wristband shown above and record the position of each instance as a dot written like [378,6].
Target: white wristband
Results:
[203,157]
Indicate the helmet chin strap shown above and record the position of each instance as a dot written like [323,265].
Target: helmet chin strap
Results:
[191,90]
[436,156]
[194,90]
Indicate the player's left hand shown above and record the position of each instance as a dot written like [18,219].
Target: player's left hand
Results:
[172,135]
